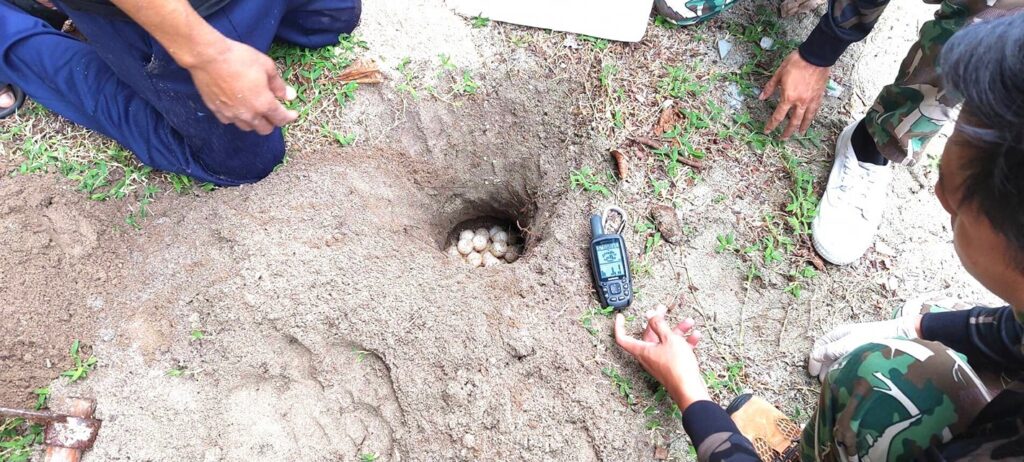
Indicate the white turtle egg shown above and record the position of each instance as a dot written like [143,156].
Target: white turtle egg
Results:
[475,259]
[490,260]
[500,236]
[483,232]
[512,254]
[466,234]
[495,230]
[499,248]
[480,243]
[465,246]
[453,252]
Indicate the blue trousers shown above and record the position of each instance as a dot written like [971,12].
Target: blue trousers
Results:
[125,85]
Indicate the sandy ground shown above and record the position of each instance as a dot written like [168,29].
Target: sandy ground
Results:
[336,326]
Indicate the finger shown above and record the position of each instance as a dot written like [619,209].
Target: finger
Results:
[683,327]
[242,125]
[809,116]
[276,83]
[649,335]
[795,119]
[694,338]
[630,344]
[778,116]
[769,88]
[279,115]
[262,126]
[661,327]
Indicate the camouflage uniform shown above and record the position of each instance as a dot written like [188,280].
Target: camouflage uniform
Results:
[910,111]
[905,399]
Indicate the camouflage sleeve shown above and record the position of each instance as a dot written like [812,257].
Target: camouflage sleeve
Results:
[715,435]
[846,22]
[989,337]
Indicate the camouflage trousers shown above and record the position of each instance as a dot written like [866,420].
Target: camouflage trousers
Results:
[912,110]
[889,401]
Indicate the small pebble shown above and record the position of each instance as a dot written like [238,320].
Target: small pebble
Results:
[767,43]
[724,47]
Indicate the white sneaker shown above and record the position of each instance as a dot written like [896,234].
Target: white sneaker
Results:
[851,208]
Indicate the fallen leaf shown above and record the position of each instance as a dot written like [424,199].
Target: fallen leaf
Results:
[620,163]
[668,119]
[362,71]
[667,222]
[660,453]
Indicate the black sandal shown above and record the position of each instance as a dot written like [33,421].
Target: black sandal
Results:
[19,99]
[55,18]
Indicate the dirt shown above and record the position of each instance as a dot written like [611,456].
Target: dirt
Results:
[335,324]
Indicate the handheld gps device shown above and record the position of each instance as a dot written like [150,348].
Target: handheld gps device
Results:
[609,263]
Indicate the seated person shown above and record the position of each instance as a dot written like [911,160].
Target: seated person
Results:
[906,389]
[185,85]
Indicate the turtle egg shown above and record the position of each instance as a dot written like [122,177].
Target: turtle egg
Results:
[466,235]
[499,248]
[490,260]
[453,252]
[475,259]
[495,230]
[480,243]
[500,236]
[512,254]
[465,246]
[483,232]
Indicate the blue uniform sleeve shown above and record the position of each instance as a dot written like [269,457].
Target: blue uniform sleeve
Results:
[715,435]
[989,337]
[846,22]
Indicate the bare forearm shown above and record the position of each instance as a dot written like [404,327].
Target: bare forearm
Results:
[188,38]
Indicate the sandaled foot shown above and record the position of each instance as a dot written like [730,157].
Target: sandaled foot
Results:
[11,98]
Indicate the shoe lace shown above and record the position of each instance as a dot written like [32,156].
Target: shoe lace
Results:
[857,184]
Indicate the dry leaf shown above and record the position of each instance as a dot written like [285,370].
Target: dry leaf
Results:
[362,71]
[620,163]
[670,117]
[660,453]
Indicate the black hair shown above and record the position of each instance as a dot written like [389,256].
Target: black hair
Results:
[984,63]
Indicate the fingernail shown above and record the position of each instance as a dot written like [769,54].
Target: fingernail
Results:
[649,314]
[290,93]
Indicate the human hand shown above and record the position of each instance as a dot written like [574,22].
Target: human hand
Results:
[667,354]
[802,87]
[241,86]
[842,340]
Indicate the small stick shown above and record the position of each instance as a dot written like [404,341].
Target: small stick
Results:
[658,145]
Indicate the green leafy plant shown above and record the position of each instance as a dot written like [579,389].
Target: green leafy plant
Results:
[18,439]
[467,86]
[585,179]
[82,367]
[726,242]
[42,395]
[196,335]
[479,21]
[587,319]
[599,44]
[368,457]
[621,384]
[730,381]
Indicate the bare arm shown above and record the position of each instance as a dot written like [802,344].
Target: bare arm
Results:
[238,83]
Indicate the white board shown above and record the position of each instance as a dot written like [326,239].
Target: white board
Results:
[619,20]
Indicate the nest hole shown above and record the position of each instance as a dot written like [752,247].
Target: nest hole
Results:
[490,232]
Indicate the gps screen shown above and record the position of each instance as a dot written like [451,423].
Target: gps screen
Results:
[609,261]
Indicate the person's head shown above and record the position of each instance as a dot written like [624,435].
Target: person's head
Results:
[981,179]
